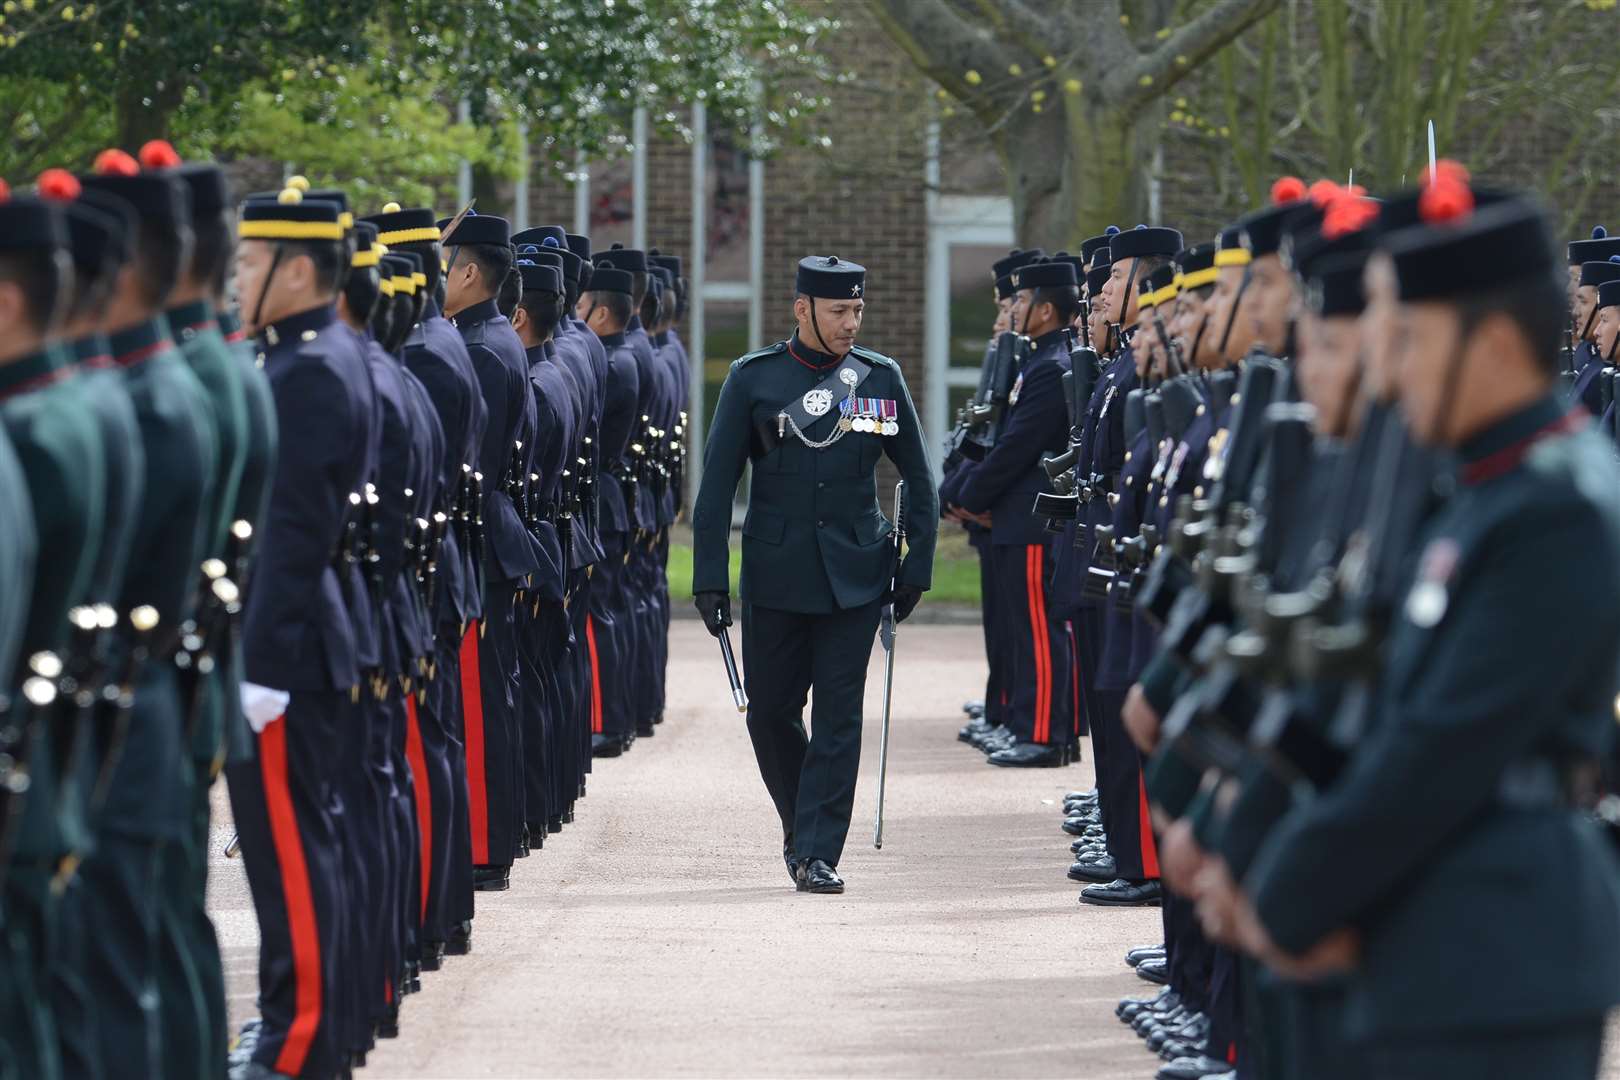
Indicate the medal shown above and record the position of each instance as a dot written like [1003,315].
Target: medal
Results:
[845,423]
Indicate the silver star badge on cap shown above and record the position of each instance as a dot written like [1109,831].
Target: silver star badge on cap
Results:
[854,290]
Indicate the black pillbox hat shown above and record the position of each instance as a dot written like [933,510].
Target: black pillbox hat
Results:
[1044,274]
[413,226]
[1097,277]
[30,224]
[1609,294]
[672,263]
[210,191]
[538,277]
[1504,244]
[1144,241]
[830,278]
[154,196]
[606,278]
[478,228]
[1600,273]
[1597,249]
[623,258]
[1091,245]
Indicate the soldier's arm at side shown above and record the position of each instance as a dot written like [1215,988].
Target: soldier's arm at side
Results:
[724,456]
[910,455]
[1033,426]
[1492,687]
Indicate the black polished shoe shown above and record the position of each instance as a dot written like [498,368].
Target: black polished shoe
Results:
[388,1026]
[492,878]
[1089,842]
[568,815]
[644,729]
[972,731]
[413,978]
[975,709]
[1124,893]
[1194,1066]
[1028,755]
[1097,871]
[1154,971]
[997,738]
[605,746]
[554,824]
[790,857]
[522,851]
[432,955]
[1145,952]
[1080,824]
[253,1070]
[460,940]
[816,876]
[1128,1008]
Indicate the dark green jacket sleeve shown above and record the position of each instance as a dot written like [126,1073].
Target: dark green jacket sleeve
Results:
[910,455]
[723,459]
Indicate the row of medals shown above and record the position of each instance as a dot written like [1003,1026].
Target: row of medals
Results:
[869,424]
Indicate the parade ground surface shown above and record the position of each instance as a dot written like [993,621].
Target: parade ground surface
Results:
[660,936]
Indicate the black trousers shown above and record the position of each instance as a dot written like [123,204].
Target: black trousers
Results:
[1087,627]
[1121,793]
[284,804]
[995,686]
[1035,645]
[491,699]
[811,778]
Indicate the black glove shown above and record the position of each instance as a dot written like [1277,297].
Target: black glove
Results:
[715,607]
[904,598]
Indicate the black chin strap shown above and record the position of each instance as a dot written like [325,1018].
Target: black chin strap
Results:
[1125,299]
[264,293]
[1198,339]
[816,326]
[1449,394]
[1591,316]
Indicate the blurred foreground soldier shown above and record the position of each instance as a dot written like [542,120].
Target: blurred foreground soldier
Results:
[302,675]
[60,454]
[813,413]
[144,828]
[1485,746]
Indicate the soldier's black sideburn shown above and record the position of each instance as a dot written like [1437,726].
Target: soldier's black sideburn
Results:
[1538,308]
[213,244]
[327,257]
[162,255]
[42,277]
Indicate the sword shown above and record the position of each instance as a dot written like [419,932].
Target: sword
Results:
[234,846]
[886,638]
[738,696]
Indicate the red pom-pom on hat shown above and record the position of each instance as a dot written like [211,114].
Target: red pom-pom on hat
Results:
[1447,170]
[1347,214]
[1286,190]
[158,154]
[1445,200]
[58,184]
[1324,192]
[115,162]
[5,192]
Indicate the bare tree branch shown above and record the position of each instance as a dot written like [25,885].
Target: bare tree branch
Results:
[1185,49]
[943,45]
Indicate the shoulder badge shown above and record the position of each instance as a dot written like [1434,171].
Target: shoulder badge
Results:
[871,356]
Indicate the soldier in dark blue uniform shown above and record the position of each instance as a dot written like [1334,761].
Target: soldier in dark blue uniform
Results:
[60,453]
[480,260]
[436,355]
[1038,710]
[551,784]
[1583,286]
[302,675]
[818,558]
[608,308]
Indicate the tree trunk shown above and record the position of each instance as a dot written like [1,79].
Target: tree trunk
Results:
[1073,172]
[144,112]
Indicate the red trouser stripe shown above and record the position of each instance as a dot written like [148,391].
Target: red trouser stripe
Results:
[596,677]
[295,893]
[424,794]
[472,708]
[1150,847]
[1041,643]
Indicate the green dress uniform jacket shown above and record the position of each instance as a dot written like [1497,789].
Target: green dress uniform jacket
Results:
[1485,900]
[815,539]
[196,329]
[149,795]
[60,449]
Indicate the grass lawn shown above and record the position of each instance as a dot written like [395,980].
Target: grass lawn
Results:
[956,567]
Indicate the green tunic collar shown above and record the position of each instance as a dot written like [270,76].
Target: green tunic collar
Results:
[1501,446]
[194,317]
[34,372]
[140,342]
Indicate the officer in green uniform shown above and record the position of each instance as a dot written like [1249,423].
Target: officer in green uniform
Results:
[1496,702]
[813,413]
[145,978]
[60,450]
[210,690]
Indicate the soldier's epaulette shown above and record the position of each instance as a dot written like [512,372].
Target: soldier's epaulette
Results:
[769,350]
[417,338]
[872,356]
[474,335]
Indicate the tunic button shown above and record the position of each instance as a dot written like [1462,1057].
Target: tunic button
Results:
[821,524]
[820,484]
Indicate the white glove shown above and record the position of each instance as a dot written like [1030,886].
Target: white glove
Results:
[263,706]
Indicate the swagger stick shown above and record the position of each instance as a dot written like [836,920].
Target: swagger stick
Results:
[886,637]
